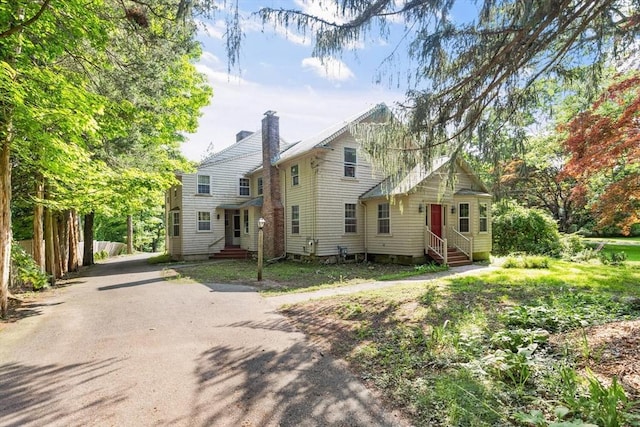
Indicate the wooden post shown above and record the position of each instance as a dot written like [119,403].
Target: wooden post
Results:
[260,252]
[445,254]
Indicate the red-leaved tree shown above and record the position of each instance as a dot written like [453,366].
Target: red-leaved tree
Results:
[604,143]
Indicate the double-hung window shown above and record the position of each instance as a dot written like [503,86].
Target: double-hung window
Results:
[383,218]
[350,220]
[204,184]
[246,221]
[260,186]
[463,217]
[295,175]
[204,221]
[175,224]
[350,162]
[295,219]
[484,220]
[243,187]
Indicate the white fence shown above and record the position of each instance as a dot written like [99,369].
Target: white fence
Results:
[112,248]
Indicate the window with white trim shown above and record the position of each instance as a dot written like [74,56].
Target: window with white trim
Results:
[350,220]
[204,221]
[383,218]
[463,217]
[260,186]
[204,184]
[295,177]
[350,161]
[175,224]
[246,221]
[484,218]
[295,219]
[244,188]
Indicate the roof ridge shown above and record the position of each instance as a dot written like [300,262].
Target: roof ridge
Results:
[224,150]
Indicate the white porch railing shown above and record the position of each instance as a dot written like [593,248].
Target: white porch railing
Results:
[436,244]
[462,243]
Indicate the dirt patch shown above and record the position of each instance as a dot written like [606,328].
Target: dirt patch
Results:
[610,350]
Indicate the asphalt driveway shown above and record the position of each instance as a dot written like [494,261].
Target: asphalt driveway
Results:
[122,346]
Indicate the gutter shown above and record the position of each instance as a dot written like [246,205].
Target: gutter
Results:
[365,230]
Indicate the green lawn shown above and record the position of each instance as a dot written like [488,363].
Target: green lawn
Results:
[483,350]
[629,245]
[291,276]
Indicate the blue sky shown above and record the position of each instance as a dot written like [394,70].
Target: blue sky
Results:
[278,73]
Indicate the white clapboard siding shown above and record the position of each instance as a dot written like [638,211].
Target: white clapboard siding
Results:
[334,190]
[225,173]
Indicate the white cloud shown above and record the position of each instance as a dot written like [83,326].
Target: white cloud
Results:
[214,30]
[209,58]
[218,76]
[330,68]
[238,104]
[326,10]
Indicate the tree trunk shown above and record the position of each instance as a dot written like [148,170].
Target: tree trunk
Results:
[57,252]
[129,234]
[38,226]
[5,219]
[73,264]
[63,237]
[87,258]
[49,246]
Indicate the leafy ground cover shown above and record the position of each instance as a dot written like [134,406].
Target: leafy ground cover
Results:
[507,347]
[291,276]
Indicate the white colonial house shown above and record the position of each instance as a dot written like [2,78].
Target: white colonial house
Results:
[321,198]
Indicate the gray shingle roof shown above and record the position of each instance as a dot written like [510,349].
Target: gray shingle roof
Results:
[395,186]
[325,137]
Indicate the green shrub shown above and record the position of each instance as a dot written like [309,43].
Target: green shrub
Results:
[613,258]
[520,229]
[526,262]
[26,272]
[572,246]
[101,255]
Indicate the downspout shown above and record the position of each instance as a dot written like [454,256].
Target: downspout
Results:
[284,207]
[365,231]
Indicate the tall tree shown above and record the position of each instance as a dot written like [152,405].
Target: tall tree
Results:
[462,69]
[604,143]
[32,36]
[51,54]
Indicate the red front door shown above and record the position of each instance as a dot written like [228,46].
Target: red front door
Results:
[436,220]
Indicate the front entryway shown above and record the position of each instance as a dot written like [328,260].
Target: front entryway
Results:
[232,227]
[435,221]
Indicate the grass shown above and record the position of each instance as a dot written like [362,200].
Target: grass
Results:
[629,245]
[291,276]
[632,251]
[474,350]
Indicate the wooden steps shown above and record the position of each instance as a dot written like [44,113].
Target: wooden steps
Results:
[455,258]
[230,252]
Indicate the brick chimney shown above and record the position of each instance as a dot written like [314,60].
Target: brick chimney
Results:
[272,209]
